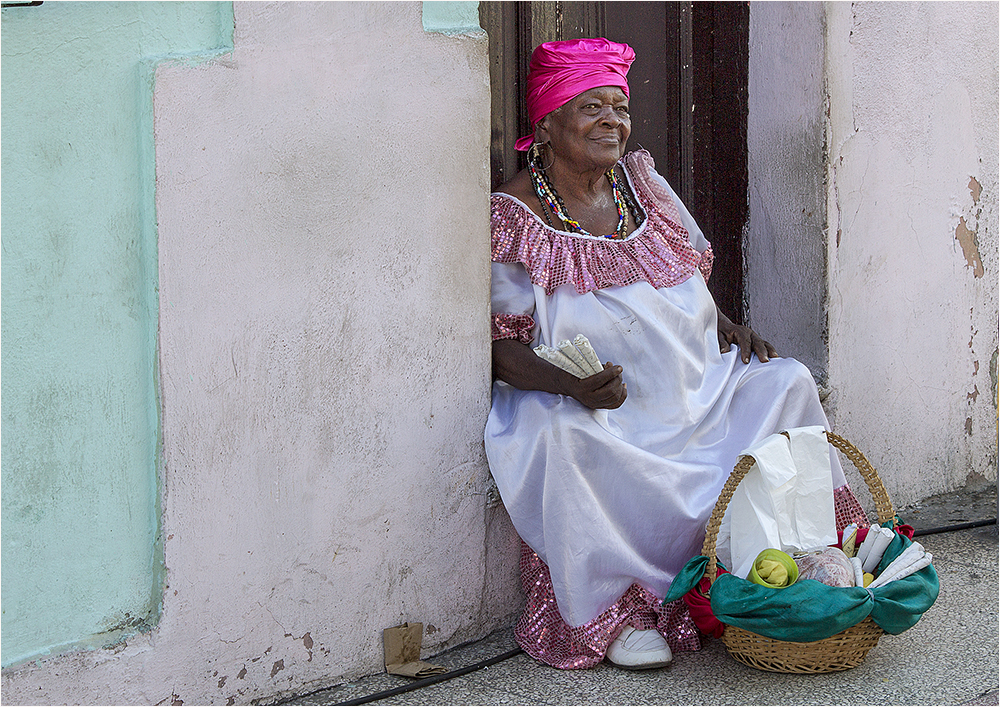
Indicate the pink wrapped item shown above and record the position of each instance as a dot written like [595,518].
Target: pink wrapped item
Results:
[829,566]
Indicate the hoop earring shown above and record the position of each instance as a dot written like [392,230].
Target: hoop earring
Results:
[535,156]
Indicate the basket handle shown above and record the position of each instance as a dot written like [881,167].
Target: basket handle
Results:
[882,503]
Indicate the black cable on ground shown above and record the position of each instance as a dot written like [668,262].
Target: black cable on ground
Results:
[433,679]
[957,526]
[416,685]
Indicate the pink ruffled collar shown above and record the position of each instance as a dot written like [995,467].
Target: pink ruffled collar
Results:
[659,251]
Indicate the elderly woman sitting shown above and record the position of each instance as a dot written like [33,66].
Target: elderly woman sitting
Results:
[609,479]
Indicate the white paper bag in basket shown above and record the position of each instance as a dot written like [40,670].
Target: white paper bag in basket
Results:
[785,501]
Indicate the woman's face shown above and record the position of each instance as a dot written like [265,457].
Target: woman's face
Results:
[589,131]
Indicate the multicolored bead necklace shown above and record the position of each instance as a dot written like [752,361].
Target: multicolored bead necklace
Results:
[547,195]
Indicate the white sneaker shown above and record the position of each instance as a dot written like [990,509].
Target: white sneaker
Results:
[639,650]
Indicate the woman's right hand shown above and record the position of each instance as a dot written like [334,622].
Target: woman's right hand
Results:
[604,390]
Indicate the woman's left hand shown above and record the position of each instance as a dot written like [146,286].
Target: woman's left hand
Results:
[745,338]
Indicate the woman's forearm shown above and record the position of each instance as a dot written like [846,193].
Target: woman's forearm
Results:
[516,364]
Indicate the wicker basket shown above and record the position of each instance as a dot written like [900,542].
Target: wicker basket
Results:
[840,652]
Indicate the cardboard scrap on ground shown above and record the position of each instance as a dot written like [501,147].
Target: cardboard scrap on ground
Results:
[402,652]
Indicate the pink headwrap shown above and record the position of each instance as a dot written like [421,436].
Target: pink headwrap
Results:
[560,71]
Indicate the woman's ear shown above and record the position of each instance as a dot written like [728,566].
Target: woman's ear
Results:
[542,130]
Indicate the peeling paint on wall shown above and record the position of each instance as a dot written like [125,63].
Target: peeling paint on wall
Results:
[968,237]
[976,189]
[970,247]
[307,641]
[993,377]
[913,231]
[451,17]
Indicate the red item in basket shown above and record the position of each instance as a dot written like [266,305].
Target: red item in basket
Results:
[700,607]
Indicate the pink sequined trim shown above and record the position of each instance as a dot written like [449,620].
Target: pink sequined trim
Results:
[640,167]
[705,264]
[512,326]
[659,253]
[545,636]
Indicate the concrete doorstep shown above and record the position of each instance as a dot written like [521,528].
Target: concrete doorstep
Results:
[949,658]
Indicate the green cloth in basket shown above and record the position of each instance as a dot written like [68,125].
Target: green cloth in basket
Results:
[809,610]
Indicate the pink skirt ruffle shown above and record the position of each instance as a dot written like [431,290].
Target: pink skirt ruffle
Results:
[542,633]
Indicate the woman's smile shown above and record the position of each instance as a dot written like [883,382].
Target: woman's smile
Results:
[591,130]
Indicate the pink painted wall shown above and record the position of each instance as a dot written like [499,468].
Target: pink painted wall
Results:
[322,205]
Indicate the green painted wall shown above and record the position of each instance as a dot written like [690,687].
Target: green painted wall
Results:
[81,558]
[451,16]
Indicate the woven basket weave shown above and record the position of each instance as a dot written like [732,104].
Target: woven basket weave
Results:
[840,652]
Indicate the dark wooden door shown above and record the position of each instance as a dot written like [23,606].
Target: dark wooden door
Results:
[688,95]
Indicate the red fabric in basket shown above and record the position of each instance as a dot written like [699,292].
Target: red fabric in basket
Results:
[700,607]
[906,531]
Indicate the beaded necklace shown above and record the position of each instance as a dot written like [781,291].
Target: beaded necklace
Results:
[547,195]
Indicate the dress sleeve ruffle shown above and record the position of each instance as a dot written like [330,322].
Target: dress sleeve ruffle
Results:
[513,326]
[705,263]
[512,303]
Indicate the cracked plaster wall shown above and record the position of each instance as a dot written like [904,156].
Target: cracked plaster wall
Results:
[873,228]
[912,239]
[322,205]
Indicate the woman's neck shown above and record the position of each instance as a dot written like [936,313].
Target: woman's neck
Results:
[589,187]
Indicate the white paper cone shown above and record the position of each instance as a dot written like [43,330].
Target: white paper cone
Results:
[558,358]
[924,561]
[582,343]
[882,541]
[849,536]
[866,545]
[859,575]
[570,352]
[914,553]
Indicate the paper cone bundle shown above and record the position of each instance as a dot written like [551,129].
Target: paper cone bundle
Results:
[912,559]
[576,356]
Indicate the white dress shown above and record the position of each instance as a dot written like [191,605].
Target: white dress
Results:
[612,498]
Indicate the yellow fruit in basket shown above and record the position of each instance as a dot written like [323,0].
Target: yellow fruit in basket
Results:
[773,568]
[869,578]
